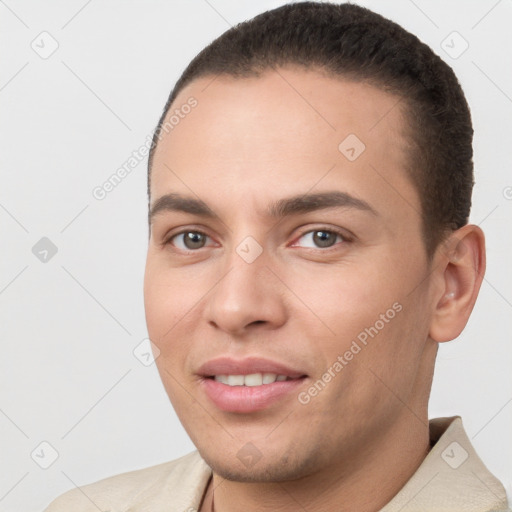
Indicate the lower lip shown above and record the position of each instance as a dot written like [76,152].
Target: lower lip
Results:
[245,399]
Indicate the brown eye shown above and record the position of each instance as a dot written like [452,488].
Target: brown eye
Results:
[189,240]
[324,238]
[321,238]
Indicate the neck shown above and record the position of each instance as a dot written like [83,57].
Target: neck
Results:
[386,465]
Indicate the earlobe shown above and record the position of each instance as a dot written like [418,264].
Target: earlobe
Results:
[462,262]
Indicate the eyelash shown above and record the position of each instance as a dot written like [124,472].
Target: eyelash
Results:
[324,229]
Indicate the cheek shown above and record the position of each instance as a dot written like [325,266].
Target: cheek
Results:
[345,299]
[370,314]
[168,298]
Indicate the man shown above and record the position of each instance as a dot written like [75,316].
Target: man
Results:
[309,184]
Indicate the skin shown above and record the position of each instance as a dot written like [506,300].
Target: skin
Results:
[247,143]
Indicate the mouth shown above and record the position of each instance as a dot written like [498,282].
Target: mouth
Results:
[249,385]
[250,380]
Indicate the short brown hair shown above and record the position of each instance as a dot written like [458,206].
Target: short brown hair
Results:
[356,43]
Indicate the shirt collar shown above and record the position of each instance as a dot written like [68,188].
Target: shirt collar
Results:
[452,477]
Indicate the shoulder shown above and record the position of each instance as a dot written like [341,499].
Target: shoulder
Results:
[173,485]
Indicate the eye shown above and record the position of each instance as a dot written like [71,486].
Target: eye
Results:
[322,238]
[188,240]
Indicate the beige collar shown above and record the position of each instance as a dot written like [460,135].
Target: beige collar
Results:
[452,476]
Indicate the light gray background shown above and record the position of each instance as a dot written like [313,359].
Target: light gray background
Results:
[68,327]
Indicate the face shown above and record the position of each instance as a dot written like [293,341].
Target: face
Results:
[328,292]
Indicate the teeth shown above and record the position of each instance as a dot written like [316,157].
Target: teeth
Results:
[268,378]
[222,378]
[235,380]
[253,379]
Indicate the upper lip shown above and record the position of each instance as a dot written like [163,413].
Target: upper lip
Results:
[246,366]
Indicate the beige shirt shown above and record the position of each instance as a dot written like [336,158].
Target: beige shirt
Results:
[451,478]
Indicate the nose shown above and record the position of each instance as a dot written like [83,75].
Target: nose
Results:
[247,297]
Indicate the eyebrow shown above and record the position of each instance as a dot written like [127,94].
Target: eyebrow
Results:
[294,205]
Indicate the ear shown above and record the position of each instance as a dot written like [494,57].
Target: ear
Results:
[461,261]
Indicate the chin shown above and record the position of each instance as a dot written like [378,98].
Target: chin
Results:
[261,470]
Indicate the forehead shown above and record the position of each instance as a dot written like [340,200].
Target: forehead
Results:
[288,129]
